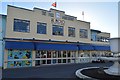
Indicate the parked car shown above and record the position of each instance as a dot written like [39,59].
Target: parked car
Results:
[98,61]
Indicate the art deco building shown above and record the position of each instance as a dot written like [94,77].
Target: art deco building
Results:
[41,37]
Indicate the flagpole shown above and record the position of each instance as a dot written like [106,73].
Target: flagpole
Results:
[83,15]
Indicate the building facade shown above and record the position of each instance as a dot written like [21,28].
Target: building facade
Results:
[41,37]
[2,34]
[99,36]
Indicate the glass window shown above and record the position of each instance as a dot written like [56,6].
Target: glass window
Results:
[59,61]
[54,54]
[10,64]
[59,54]
[83,33]
[67,17]
[21,25]
[37,54]
[19,63]
[19,54]
[48,54]
[71,32]
[51,14]
[26,63]
[41,28]
[43,12]
[48,61]
[57,15]
[57,30]
[73,54]
[64,60]
[64,54]
[43,54]
[69,60]
[43,61]
[68,54]
[37,62]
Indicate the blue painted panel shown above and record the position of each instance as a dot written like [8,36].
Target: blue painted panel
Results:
[19,45]
[102,48]
[86,47]
[48,46]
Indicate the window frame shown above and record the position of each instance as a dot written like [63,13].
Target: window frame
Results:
[21,20]
[42,26]
[58,26]
[72,30]
[85,36]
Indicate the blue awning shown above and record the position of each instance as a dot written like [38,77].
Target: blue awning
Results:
[86,47]
[102,48]
[19,45]
[53,46]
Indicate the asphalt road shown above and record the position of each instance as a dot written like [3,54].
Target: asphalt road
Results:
[50,71]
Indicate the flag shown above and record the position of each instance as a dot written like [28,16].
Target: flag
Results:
[82,12]
[54,4]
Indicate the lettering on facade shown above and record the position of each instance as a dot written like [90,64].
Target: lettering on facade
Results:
[57,21]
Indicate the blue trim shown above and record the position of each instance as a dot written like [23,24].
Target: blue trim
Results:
[51,46]
[54,46]
[101,48]
[18,45]
[86,47]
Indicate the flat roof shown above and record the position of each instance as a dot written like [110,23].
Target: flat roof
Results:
[95,30]
[45,10]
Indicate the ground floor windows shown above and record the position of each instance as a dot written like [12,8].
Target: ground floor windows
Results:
[53,61]
[19,54]
[24,63]
[19,58]
[26,58]
[54,57]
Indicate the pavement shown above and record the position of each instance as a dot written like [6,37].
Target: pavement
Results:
[66,71]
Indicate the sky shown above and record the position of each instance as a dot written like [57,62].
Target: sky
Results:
[102,15]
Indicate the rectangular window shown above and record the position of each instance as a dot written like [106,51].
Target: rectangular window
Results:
[71,32]
[83,33]
[43,12]
[38,54]
[51,14]
[57,30]
[19,54]
[41,28]
[21,25]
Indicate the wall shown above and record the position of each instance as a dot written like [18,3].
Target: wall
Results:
[35,16]
[0,40]
[2,34]
[2,30]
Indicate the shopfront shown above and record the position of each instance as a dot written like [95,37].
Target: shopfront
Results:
[19,54]
[57,53]
[26,54]
[54,57]
[34,53]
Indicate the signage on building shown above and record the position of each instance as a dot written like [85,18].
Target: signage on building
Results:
[57,21]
